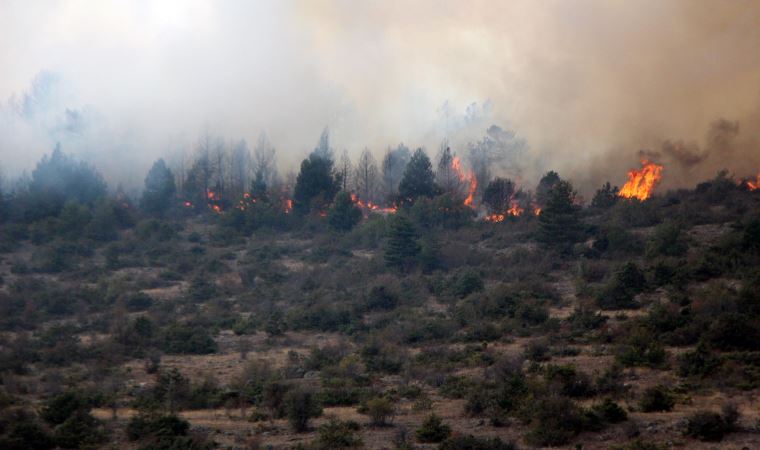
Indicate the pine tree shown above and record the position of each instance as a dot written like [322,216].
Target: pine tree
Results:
[159,189]
[559,222]
[343,215]
[316,183]
[418,180]
[401,248]
[545,185]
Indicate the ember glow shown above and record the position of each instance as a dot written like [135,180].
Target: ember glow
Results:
[641,183]
[369,206]
[754,184]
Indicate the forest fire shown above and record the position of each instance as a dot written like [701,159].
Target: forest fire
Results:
[469,178]
[641,183]
[368,205]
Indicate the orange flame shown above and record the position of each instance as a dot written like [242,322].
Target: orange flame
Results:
[368,205]
[641,183]
[754,185]
[188,204]
[288,206]
[469,178]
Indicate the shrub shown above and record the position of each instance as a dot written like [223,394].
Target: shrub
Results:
[706,426]
[470,442]
[380,410]
[338,434]
[24,433]
[610,411]
[78,431]
[300,406]
[59,408]
[657,398]
[555,421]
[467,282]
[381,298]
[433,430]
[186,339]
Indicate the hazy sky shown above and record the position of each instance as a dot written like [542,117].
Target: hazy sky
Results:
[586,83]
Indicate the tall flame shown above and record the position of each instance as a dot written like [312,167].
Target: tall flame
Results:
[641,183]
[469,178]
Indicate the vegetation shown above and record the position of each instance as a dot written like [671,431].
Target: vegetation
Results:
[370,308]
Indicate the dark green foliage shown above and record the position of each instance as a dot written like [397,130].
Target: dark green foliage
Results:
[24,433]
[344,214]
[338,434]
[559,222]
[300,406]
[657,398]
[620,291]
[178,338]
[734,331]
[698,363]
[419,179]
[382,298]
[569,381]
[80,430]
[443,211]
[144,426]
[138,301]
[59,408]
[711,426]
[668,240]
[605,197]
[642,348]
[555,420]
[470,442]
[466,282]
[401,248]
[545,184]
[158,195]
[610,411]
[316,184]
[433,430]
[380,411]
[57,179]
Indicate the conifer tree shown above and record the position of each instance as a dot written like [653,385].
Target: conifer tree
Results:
[418,180]
[559,222]
[401,248]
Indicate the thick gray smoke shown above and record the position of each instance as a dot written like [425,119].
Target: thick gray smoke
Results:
[586,85]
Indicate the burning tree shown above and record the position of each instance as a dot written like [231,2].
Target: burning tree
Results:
[498,195]
[641,183]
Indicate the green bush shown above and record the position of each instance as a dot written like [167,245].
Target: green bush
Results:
[380,411]
[338,434]
[433,430]
[187,339]
[610,411]
[59,408]
[470,442]
[657,398]
[707,426]
[300,406]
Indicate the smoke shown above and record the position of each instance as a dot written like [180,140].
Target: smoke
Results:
[586,84]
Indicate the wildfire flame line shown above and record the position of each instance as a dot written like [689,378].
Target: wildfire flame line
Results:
[754,184]
[641,183]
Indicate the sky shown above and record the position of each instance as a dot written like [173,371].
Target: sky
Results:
[590,85]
